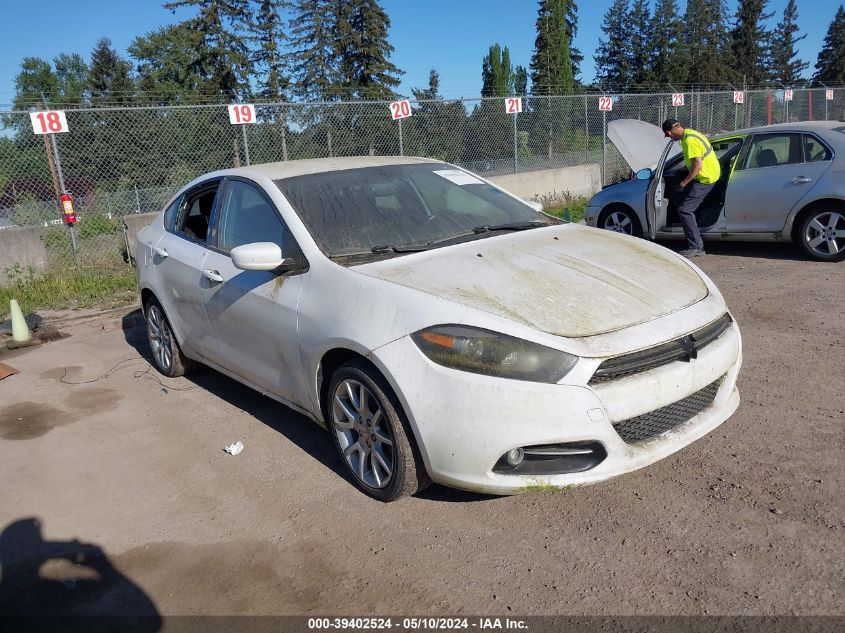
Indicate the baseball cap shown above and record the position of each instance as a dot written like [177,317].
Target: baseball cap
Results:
[669,123]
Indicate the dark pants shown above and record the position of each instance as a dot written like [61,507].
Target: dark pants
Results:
[691,199]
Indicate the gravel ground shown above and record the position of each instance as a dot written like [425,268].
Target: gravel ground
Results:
[123,473]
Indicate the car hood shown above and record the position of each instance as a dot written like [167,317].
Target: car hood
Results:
[567,280]
[640,143]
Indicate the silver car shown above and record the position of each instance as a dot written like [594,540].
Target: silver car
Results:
[782,183]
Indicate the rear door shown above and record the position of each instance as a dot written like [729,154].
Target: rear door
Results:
[254,313]
[772,178]
[656,203]
[179,258]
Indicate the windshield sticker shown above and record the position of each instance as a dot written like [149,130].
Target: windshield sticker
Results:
[458,177]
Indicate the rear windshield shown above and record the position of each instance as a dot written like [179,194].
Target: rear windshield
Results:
[353,211]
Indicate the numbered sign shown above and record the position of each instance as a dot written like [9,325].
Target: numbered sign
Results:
[678,99]
[787,94]
[828,94]
[240,113]
[739,96]
[513,105]
[605,104]
[48,122]
[400,109]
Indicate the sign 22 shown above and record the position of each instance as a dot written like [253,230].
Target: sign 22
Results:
[513,105]
[400,109]
[605,104]
[241,113]
[48,121]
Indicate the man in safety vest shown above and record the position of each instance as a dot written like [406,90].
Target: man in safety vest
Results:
[704,172]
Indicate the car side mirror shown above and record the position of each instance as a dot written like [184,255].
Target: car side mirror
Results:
[645,174]
[535,205]
[260,256]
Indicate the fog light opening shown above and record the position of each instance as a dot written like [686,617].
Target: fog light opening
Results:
[514,457]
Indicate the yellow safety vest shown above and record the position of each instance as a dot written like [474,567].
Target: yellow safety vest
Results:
[695,145]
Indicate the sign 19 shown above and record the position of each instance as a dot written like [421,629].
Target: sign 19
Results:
[241,113]
[739,96]
[605,104]
[513,105]
[678,99]
[48,122]
[400,109]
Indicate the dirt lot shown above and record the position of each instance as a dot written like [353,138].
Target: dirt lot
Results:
[748,520]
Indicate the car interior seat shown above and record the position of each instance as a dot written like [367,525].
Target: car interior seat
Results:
[767,158]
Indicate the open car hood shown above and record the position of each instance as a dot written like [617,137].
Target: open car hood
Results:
[640,143]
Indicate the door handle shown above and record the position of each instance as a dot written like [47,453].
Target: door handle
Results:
[800,180]
[160,252]
[212,275]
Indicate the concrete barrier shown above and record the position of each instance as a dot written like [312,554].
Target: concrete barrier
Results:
[24,246]
[134,223]
[552,185]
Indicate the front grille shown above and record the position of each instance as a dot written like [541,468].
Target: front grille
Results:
[653,423]
[685,348]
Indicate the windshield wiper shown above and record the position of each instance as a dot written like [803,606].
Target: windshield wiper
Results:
[509,226]
[408,248]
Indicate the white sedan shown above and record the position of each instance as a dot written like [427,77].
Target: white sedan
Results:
[437,326]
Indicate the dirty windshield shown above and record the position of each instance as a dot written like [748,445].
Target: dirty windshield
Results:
[402,208]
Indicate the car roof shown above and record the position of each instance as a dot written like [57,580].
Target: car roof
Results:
[291,168]
[799,126]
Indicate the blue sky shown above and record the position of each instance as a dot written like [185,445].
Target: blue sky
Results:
[449,35]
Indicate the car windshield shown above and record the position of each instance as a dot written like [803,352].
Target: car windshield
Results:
[402,208]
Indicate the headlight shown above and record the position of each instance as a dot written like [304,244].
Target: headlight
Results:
[492,354]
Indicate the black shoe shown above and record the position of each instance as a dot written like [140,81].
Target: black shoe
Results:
[692,252]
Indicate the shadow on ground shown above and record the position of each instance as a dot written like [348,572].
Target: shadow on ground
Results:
[758,250]
[293,425]
[66,578]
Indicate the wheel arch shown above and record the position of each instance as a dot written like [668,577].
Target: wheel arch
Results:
[795,218]
[618,205]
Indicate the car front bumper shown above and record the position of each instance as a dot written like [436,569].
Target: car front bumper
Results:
[464,423]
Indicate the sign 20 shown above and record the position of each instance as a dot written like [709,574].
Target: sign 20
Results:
[400,109]
[241,113]
[48,121]
[513,105]
[605,104]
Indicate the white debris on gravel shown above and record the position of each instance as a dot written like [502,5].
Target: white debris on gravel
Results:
[234,449]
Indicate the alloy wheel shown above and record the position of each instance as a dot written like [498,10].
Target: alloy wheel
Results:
[825,233]
[161,338]
[619,222]
[363,433]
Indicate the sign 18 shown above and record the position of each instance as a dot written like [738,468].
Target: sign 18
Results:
[513,105]
[48,122]
[241,113]
[739,96]
[400,109]
[678,99]
[605,104]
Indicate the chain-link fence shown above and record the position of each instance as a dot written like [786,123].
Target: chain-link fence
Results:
[120,161]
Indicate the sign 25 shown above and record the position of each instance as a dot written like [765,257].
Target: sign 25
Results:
[605,104]
[241,113]
[400,109]
[48,121]
[513,105]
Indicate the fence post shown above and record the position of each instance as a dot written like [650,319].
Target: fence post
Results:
[603,146]
[515,150]
[401,145]
[586,132]
[61,177]
[246,144]
[137,199]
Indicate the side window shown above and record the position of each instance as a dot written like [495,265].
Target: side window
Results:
[195,212]
[246,217]
[772,150]
[171,213]
[814,150]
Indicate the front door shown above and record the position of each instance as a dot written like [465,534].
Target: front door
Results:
[773,178]
[254,313]
[656,203]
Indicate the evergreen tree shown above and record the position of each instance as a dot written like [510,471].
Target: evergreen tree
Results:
[667,59]
[221,24]
[360,41]
[551,64]
[640,39]
[314,58]
[109,79]
[786,68]
[496,72]
[437,128]
[72,76]
[520,81]
[830,65]
[614,52]
[35,79]
[575,54]
[750,43]
[267,34]
[171,64]
[705,42]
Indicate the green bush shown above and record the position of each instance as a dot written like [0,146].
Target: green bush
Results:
[97,224]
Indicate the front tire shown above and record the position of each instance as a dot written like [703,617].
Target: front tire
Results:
[167,354]
[821,233]
[620,219]
[371,436]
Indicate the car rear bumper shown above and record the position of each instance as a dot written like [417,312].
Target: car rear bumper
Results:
[465,423]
